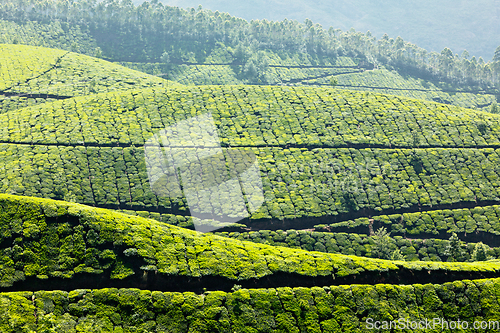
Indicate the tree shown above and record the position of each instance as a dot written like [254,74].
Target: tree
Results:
[334,82]
[465,55]
[496,57]
[165,58]
[397,255]
[494,107]
[480,252]
[382,243]
[454,250]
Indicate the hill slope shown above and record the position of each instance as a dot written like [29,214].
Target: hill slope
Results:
[50,244]
[321,152]
[466,25]
[363,173]
[32,75]
[218,48]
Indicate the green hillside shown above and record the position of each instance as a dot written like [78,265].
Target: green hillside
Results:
[54,243]
[204,47]
[34,75]
[333,176]
[65,243]
[323,153]
[344,70]
[327,309]
[256,116]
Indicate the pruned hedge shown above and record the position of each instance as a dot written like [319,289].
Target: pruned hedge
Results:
[349,308]
[480,219]
[44,238]
[34,72]
[258,116]
[363,245]
[296,183]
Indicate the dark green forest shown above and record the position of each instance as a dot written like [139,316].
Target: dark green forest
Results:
[145,33]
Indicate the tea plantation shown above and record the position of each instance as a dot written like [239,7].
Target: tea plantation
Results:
[33,75]
[373,206]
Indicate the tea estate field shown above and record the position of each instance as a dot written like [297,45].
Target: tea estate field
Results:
[364,205]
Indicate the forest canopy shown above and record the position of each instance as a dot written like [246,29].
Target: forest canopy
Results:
[145,33]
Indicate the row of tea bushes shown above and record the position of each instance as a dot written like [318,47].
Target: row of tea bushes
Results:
[460,220]
[317,180]
[296,182]
[391,82]
[301,75]
[52,239]
[256,116]
[21,63]
[9,103]
[350,308]
[218,69]
[179,220]
[204,75]
[36,70]
[379,80]
[376,246]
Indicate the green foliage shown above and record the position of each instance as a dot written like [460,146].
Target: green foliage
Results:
[314,147]
[454,250]
[380,245]
[382,241]
[396,255]
[47,247]
[494,108]
[328,309]
[297,117]
[480,252]
[328,180]
[202,37]
[29,71]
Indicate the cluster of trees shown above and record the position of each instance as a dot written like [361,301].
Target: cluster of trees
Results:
[49,34]
[126,32]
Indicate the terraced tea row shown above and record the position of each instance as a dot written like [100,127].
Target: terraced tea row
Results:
[36,73]
[229,74]
[296,183]
[53,240]
[385,81]
[380,245]
[472,224]
[21,63]
[18,101]
[254,116]
[467,305]
[349,76]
